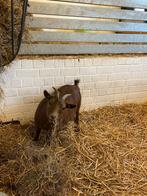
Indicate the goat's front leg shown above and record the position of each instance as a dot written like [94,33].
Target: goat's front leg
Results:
[36,138]
[49,136]
[76,121]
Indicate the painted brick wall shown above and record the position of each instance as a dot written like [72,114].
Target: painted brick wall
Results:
[104,81]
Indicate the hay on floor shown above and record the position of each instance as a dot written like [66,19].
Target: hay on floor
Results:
[107,157]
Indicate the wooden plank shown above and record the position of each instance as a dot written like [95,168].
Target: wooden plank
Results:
[62,23]
[58,8]
[46,36]
[81,49]
[123,3]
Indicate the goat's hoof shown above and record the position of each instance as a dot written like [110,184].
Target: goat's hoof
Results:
[35,139]
[48,142]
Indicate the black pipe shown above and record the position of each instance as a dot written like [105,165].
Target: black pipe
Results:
[12,26]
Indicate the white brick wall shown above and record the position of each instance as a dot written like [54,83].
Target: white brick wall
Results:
[104,81]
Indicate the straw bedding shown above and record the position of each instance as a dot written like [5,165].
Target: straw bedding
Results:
[107,157]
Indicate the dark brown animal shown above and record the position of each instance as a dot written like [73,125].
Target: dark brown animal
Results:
[67,115]
[58,108]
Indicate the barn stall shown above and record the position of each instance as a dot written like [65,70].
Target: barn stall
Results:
[103,43]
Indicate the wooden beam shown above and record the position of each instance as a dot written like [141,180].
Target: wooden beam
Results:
[40,49]
[71,23]
[45,36]
[122,3]
[58,8]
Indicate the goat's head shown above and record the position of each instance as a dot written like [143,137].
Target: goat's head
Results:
[51,98]
[56,99]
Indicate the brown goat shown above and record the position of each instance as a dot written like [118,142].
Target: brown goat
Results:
[67,115]
[56,109]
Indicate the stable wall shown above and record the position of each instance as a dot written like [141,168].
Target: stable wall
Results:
[104,81]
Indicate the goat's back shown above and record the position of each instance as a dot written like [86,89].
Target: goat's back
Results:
[73,90]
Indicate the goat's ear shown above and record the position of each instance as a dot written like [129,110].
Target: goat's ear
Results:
[56,91]
[46,94]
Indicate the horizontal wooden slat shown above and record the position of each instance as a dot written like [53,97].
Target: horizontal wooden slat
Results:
[67,42]
[46,36]
[123,3]
[81,49]
[57,8]
[62,23]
